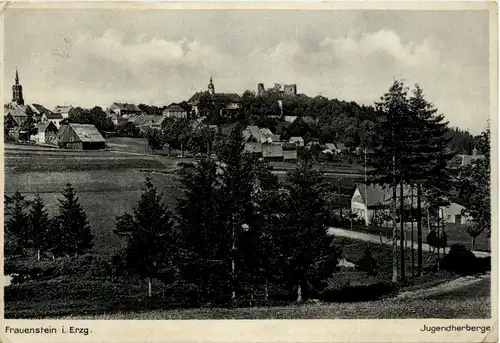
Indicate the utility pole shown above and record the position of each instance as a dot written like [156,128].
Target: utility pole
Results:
[340,198]
[394,224]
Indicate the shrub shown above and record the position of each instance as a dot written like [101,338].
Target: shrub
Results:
[367,263]
[460,260]
[358,293]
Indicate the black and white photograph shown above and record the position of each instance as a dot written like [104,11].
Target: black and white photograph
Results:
[265,163]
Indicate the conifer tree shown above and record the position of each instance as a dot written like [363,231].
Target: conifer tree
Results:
[17,224]
[72,223]
[149,235]
[306,254]
[204,245]
[39,225]
[393,130]
[427,162]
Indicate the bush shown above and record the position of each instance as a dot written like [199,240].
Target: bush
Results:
[358,293]
[367,263]
[462,261]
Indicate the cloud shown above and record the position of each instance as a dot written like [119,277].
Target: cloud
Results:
[357,66]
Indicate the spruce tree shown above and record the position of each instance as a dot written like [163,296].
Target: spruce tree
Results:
[149,235]
[393,130]
[426,163]
[16,224]
[306,254]
[204,245]
[73,225]
[39,225]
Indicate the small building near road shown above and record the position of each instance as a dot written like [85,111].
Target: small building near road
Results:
[46,133]
[80,137]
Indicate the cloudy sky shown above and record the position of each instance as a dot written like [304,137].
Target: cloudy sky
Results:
[95,57]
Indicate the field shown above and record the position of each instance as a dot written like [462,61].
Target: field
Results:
[107,183]
[102,299]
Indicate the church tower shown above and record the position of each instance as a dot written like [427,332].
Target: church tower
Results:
[211,87]
[17,92]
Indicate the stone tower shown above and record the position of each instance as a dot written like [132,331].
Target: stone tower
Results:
[211,87]
[17,92]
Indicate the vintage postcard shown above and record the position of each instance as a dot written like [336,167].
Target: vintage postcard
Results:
[250,172]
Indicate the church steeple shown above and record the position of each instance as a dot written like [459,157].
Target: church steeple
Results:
[211,87]
[17,91]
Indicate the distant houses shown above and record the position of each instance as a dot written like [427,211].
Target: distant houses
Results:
[63,110]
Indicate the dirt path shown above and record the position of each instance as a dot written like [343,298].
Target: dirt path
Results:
[445,287]
[387,241]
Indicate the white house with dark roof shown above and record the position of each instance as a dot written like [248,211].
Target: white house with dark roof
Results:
[175,111]
[52,117]
[46,133]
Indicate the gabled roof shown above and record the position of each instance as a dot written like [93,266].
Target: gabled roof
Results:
[62,109]
[253,147]
[174,108]
[44,126]
[341,146]
[140,120]
[233,97]
[381,195]
[126,107]
[330,146]
[296,139]
[85,132]
[15,109]
[52,115]
[40,109]
[272,150]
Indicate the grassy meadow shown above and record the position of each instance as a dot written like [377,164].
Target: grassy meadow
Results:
[107,184]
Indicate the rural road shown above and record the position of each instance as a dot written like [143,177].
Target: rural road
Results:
[376,239]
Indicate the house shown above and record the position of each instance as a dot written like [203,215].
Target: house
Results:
[452,213]
[52,117]
[272,152]
[468,159]
[125,110]
[154,122]
[14,114]
[331,147]
[63,110]
[80,137]
[232,101]
[38,111]
[368,199]
[289,152]
[254,134]
[341,148]
[116,119]
[46,133]
[298,141]
[253,148]
[175,111]
[290,119]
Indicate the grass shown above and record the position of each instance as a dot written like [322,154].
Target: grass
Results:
[104,194]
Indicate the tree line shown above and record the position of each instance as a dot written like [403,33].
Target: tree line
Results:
[31,231]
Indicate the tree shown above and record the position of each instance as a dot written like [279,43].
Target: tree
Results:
[393,130]
[306,254]
[17,224]
[155,139]
[473,184]
[73,225]
[28,127]
[39,225]
[427,162]
[204,245]
[149,235]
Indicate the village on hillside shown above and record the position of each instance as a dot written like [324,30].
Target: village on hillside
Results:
[273,158]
